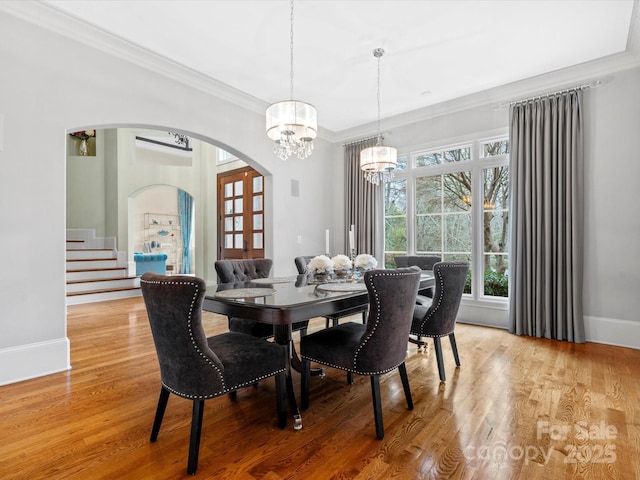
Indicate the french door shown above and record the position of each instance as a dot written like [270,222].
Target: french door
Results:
[240,214]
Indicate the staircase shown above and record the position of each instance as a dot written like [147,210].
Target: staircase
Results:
[93,273]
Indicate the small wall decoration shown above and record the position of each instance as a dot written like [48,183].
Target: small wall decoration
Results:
[83,136]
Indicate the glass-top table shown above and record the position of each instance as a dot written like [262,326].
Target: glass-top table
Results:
[287,300]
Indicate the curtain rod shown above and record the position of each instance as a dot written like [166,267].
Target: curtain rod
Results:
[360,140]
[586,86]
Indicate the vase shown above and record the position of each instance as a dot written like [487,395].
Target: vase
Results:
[83,148]
[320,277]
[341,274]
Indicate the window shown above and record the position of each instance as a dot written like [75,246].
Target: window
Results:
[453,202]
[225,157]
[395,219]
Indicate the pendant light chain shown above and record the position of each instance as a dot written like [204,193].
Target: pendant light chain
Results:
[291,53]
[378,53]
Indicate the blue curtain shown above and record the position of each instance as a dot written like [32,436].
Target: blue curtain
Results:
[185,209]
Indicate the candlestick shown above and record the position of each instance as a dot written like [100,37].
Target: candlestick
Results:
[352,240]
[326,242]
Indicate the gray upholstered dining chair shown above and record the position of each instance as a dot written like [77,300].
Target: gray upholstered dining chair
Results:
[195,367]
[438,318]
[245,270]
[425,262]
[378,347]
[301,264]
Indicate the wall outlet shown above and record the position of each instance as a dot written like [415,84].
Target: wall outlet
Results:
[299,240]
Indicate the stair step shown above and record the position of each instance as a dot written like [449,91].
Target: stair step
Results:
[91,264]
[105,269]
[101,284]
[94,280]
[108,290]
[102,296]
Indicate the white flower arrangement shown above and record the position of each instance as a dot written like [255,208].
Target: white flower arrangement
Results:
[320,264]
[366,261]
[341,263]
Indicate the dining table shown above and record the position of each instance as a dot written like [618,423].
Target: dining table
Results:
[283,301]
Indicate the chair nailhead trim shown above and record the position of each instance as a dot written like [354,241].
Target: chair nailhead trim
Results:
[225,389]
[206,359]
[432,310]
[375,325]
[329,364]
[377,320]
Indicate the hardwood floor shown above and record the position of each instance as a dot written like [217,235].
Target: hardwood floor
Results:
[518,408]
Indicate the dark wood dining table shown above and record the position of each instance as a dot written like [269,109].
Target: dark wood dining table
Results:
[287,300]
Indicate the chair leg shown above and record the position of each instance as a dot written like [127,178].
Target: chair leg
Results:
[377,406]
[194,441]
[233,396]
[350,378]
[304,383]
[438,348]
[454,347]
[162,405]
[281,394]
[402,368]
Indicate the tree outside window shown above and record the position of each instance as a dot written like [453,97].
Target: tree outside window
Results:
[443,211]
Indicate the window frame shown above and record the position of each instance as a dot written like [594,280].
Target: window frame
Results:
[476,165]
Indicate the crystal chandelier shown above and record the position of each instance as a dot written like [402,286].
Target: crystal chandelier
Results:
[379,161]
[292,124]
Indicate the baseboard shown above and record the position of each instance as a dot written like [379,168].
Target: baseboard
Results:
[608,331]
[34,360]
[484,315]
[611,331]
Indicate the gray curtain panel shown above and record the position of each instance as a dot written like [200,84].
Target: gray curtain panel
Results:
[547,221]
[362,198]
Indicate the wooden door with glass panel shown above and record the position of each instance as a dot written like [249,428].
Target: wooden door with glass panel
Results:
[241,214]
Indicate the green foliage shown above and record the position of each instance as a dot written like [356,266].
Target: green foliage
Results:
[496,284]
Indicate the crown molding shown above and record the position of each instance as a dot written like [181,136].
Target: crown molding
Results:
[602,69]
[49,17]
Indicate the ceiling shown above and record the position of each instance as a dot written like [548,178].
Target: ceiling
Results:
[435,50]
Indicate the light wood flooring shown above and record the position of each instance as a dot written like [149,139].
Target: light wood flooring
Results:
[518,408]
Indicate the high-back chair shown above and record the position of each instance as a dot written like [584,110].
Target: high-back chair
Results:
[425,262]
[378,347]
[438,319]
[302,262]
[195,367]
[243,270]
